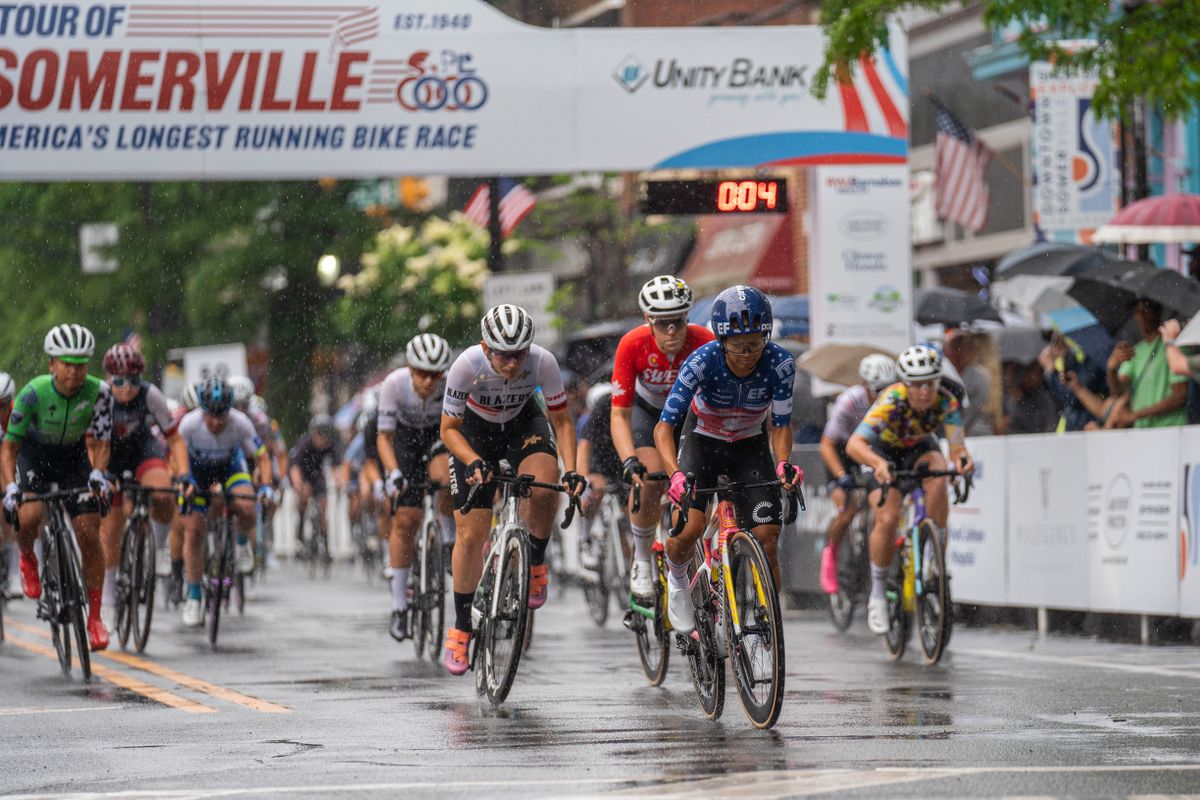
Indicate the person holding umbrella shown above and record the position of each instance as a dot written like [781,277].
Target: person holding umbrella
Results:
[1158,398]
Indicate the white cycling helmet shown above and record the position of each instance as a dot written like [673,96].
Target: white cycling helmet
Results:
[877,371]
[596,394]
[71,343]
[429,352]
[920,362]
[189,399]
[507,328]
[258,403]
[665,295]
[243,389]
[7,387]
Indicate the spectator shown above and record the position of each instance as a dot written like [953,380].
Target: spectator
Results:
[962,350]
[1157,398]
[1028,406]
[1064,364]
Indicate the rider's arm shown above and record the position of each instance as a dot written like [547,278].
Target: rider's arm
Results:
[664,440]
[456,443]
[99,451]
[99,432]
[621,424]
[387,454]
[178,454]
[674,410]
[829,456]
[264,467]
[859,449]
[8,461]
[585,457]
[623,381]
[781,442]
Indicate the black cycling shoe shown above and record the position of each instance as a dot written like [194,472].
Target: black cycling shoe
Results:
[399,627]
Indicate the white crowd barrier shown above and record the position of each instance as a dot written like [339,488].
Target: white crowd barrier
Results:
[1107,521]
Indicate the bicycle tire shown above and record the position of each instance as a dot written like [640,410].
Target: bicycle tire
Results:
[141,601]
[435,592]
[852,572]
[654,636]
[760,645]
[218,568]
[527,639]
[595,588]
[933,606]
[75,606]
[619,552]
[899,620]
[707,666]
[124,580]
[499,666]
[51,602]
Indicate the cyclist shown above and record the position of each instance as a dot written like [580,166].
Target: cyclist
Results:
[217,438]
[307,467]
[877,372]
[900,429]
[596,451]
[410,413]
[137,406]
[11,554]
[489,414]
[646,363]
[731,387]
[59,433]
[371,473]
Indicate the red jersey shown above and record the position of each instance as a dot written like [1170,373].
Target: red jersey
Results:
[640,366]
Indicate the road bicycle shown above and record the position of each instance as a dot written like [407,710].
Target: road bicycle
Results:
[222,581]
[500,610]
[135,571]
[427,580]
[918,584]
[647,617]
[314,550]
[605,543]
[64,595]
[853,562]
[738,616]
[364,533]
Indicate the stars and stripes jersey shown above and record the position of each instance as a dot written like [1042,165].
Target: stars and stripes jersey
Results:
[473,384]
[641,369]
[399,403]
[727,407]
[893,422]
[208,450]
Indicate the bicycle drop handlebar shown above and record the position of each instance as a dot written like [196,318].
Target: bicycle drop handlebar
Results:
[432,487]
[636,503]
[900,477]
[523,484]
[795,494]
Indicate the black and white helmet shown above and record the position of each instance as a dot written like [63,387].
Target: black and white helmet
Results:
[7,387]
[429,352]
[243,390]
[507,328]
[188,398]
[919,363]
[877,371]
[665,295]
[73,343]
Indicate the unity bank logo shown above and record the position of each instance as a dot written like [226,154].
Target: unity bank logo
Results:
[631,73]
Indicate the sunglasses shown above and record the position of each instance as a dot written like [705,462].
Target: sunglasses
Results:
[510,357]
[669,323]
[120,382]
[427,375]
[923,385]
[747,350]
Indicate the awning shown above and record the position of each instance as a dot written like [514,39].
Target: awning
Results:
[757,250]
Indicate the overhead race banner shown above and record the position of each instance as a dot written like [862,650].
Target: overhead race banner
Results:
[860,261]
[311,88]
[1077,183]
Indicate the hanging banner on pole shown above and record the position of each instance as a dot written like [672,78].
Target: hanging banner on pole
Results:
[312,88]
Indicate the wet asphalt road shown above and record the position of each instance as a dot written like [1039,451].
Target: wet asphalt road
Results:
[308,695]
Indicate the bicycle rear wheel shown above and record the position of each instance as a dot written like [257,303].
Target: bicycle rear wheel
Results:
[654,634]
[594,552]
[141,600]
[852,571]
[435,591]
[124,590]
[757,651]
[706,663]
[933,601]
[619,550]
[73,601]
[218,571]
[502,635]
[899,620]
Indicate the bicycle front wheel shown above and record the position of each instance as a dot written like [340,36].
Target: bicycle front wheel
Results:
[595,589]
[72,599]
[899,619]
[141,600]
[53,575]
[126,567]
[933,601]
[654,633]
[502,633]
[218,573]
[757,648]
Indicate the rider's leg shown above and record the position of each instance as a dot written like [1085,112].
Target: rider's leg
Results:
[644,523]
[883,539]
[87,535]
[846,509]
[111,527]
[542,503]
[439,470]
[193,550]
[401,544]
[29,522]
[472,528]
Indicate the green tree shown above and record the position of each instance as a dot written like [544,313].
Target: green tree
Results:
[1148,50]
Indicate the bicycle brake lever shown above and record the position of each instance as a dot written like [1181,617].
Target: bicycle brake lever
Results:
[635,504]
[572,507]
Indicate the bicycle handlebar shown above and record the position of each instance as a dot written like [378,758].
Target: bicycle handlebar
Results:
[900,476]
[524,483]
[795,493]
[432,487]
[60,494]
[636,503]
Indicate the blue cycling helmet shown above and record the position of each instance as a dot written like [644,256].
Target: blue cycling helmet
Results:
[215,396]
[741,309]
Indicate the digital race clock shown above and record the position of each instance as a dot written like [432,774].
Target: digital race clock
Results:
[715,197]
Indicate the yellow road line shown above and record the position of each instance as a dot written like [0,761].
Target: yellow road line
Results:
[123,680]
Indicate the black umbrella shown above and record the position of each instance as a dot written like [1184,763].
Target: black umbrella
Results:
[943,306]
[1110,290]
[1050,258]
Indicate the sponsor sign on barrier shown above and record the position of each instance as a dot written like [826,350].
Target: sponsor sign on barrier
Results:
[977,529]
[1047,522]
[1188,543]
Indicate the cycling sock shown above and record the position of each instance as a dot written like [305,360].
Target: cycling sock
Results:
[161,531]
[462,610]
[14,559]
[643,539]
[242,538]
[400,588]
[94,603]
[110,586]
[537,550]
[677,574]
[878,581]
[193,591]
[447,523]
[177,568]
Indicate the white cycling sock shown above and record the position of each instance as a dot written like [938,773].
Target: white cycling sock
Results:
[677,574]
[161,531]
[14,560]
[878,581]
[109,595]
[643,540]
[400,588]
[447,523]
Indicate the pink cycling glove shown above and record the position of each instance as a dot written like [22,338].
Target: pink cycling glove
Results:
[678,487]
[781,470]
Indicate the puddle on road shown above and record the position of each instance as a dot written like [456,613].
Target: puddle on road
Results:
[108,693]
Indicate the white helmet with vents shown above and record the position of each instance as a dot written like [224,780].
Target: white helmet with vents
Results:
[243,390]
[429,352]
[189,399]
[920,362]
[877,371]
[72,343]
[665,295]
[507,328]
[7,387]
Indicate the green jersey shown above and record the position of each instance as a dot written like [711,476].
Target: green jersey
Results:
[45,418]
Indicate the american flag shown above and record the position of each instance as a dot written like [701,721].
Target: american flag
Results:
[516,201]
[961,164]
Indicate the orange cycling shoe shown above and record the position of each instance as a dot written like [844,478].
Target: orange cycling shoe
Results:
[539,585]
[454,658]
[31,582]
[97,633]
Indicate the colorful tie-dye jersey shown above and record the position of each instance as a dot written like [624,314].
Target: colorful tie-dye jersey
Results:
[893,423]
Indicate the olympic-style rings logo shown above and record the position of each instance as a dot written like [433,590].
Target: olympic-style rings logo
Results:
[434,89]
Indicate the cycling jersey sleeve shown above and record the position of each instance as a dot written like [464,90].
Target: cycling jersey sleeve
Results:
[23,408]
[682,391]
[388,404]
[624,373]
[247,437]
[356,451]
[458,387]
[876,419]
[102,415]
[156,401]
[550,379]
[784,367]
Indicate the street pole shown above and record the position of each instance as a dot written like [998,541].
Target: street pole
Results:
[495,258]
